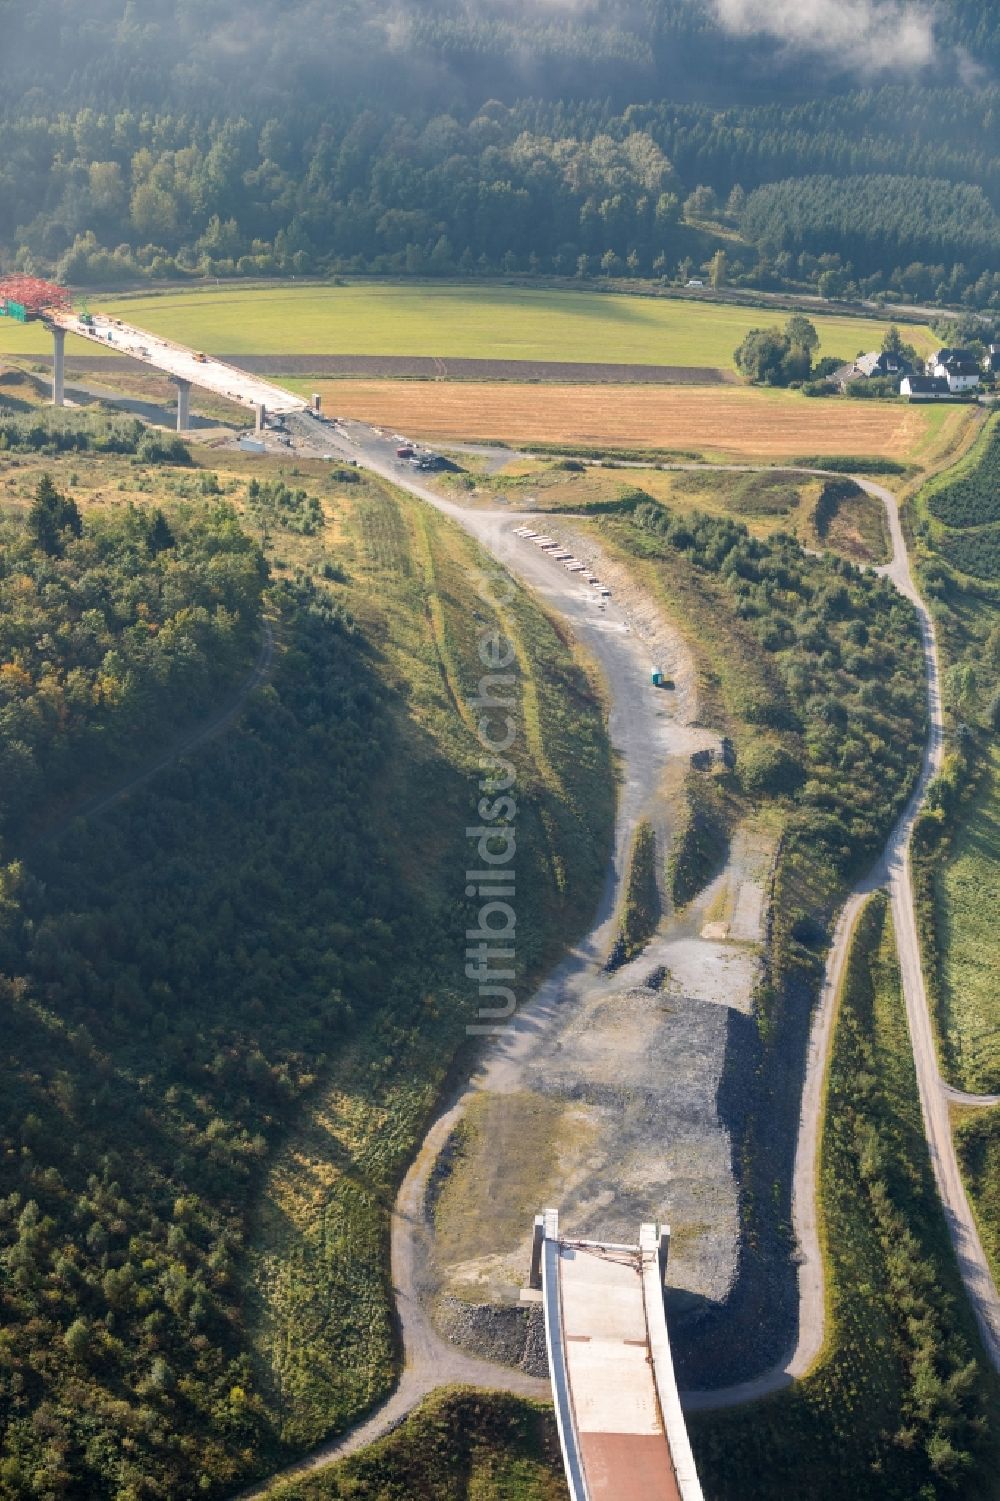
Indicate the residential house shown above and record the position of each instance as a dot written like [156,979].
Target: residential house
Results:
[959,367]
[924,387]
[880,363]
[869,366]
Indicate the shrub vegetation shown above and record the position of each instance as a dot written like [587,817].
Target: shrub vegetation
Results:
[264,937]
[51,432]
[641,910]
[901,1403]
[970,493]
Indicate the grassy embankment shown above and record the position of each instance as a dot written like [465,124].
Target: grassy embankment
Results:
[901,1403]
[641,905]
[301,944]
[834,515]
[956,523]
[458,1446]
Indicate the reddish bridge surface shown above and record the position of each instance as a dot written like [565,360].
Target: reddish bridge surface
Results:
[620,1423]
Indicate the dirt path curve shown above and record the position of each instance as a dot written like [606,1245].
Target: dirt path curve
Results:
[429,1361]
[100,802]
[934,1092]
[892,872]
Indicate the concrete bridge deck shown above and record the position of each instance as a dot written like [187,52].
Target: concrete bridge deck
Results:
[620,1423]
[188,367]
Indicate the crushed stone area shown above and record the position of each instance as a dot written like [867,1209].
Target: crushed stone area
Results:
[639,1082]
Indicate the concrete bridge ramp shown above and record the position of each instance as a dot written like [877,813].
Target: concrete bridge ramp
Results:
[621,1428]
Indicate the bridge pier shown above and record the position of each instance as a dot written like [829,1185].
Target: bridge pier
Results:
[183,405]
[656,1238]
[58,367]
[537,1242]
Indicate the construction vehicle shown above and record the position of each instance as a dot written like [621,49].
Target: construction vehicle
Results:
[405,451]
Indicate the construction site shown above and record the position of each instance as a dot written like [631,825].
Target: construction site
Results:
[28,299]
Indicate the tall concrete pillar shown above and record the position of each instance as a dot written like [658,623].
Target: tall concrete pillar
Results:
[664,1253]
[183,405]
[656,1239]
[261,417]
[58,367]
[537,1241]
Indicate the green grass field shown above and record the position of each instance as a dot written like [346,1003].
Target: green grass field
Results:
[967,902]
[472,322]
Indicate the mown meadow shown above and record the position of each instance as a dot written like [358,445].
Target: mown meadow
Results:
[475,320]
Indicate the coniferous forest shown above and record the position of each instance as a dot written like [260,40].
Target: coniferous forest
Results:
[163,141]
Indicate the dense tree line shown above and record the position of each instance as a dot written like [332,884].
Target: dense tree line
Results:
[572,188]
[877,222]
[836,687]
[107,632]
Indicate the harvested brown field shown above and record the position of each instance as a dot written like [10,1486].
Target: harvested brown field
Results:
[736,421]
[434,367]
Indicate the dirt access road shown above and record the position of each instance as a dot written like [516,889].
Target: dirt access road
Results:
[428,1360]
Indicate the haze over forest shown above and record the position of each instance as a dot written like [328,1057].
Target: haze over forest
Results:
[249,804]
[567,137]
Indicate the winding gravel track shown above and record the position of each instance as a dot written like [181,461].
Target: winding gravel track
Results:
[934,1092]
[429,1361]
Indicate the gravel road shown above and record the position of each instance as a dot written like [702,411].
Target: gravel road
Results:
[429,1361]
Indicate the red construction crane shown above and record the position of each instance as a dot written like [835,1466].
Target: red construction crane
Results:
[34,295]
